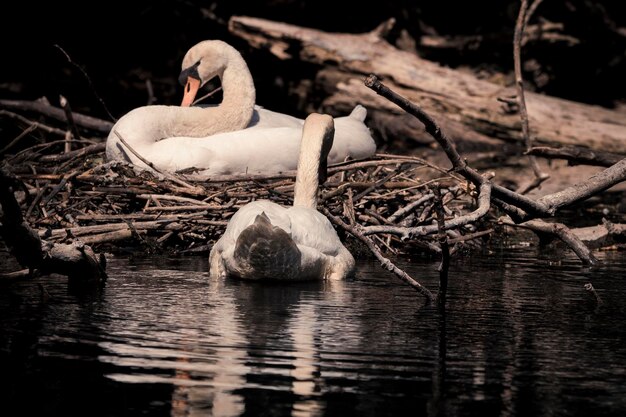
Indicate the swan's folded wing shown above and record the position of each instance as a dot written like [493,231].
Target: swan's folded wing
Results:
[311,228]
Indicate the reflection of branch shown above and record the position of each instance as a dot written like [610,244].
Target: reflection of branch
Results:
[387,264]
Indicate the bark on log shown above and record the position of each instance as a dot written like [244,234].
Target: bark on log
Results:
[452,97]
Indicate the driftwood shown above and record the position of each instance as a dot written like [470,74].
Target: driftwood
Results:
[465,106]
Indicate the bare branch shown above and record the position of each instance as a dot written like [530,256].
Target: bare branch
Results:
[484,202]
[562,232]
[386,263]
[521,100]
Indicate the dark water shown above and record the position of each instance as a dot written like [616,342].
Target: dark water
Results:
[521,337]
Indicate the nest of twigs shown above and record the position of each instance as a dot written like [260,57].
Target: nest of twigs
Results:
[78,195]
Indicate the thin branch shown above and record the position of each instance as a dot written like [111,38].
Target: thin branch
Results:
[484,202]
[562,232]
[167,175]
[521,100]
[386,263]
[47,109]
[458,163]
[93,89]
[65,105]
[444,266]
[19,137]
[577,155]
[583,190]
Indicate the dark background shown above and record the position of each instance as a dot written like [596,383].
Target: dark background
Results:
[121,44]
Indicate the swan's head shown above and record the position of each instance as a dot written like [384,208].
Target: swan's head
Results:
[204,61]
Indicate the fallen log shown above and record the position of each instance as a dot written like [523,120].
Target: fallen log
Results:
[478,109]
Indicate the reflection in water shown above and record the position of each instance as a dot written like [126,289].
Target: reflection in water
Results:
[518,338]
[234,331]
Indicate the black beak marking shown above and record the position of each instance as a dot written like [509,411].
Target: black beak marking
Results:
[192,71]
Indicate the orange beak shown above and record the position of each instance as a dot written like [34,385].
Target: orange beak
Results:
[191,89]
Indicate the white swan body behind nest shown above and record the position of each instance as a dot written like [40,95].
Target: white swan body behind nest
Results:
[233,137]
[264,240]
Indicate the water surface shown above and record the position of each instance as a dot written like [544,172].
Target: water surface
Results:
[521,337]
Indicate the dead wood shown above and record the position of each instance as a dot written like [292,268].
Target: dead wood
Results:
[447,94]
[577,155]
[76,260]
[562,232]
[47,109]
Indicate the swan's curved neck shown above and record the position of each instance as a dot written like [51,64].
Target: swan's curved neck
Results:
[238,89]
[317,137]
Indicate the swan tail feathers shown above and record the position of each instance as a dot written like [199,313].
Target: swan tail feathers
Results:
[359,112]
[265,251]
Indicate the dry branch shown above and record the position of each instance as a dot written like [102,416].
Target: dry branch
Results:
[577,155]
[76,260]
[460,101]
[47,109]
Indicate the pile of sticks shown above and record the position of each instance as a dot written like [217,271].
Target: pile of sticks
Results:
[74,195]
[102,203]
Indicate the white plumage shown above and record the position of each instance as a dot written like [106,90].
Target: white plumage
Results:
[233,137]
[264,240]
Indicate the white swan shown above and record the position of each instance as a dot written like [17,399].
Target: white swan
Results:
[264,240]
[233,137]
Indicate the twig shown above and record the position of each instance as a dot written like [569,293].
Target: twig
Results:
[19,137]
[75,154]
[46,109]
[444,266]
[470,236]
[59,187]
[29,122]
[521,101]
[583,190]
[409,207]
[377,183]
[207,95]
[589,287]
[531,11]
[65,105]
[167,175]
[562,232]
[150,91]
[93,89]
[577,155]
[386,263]
[411,232]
